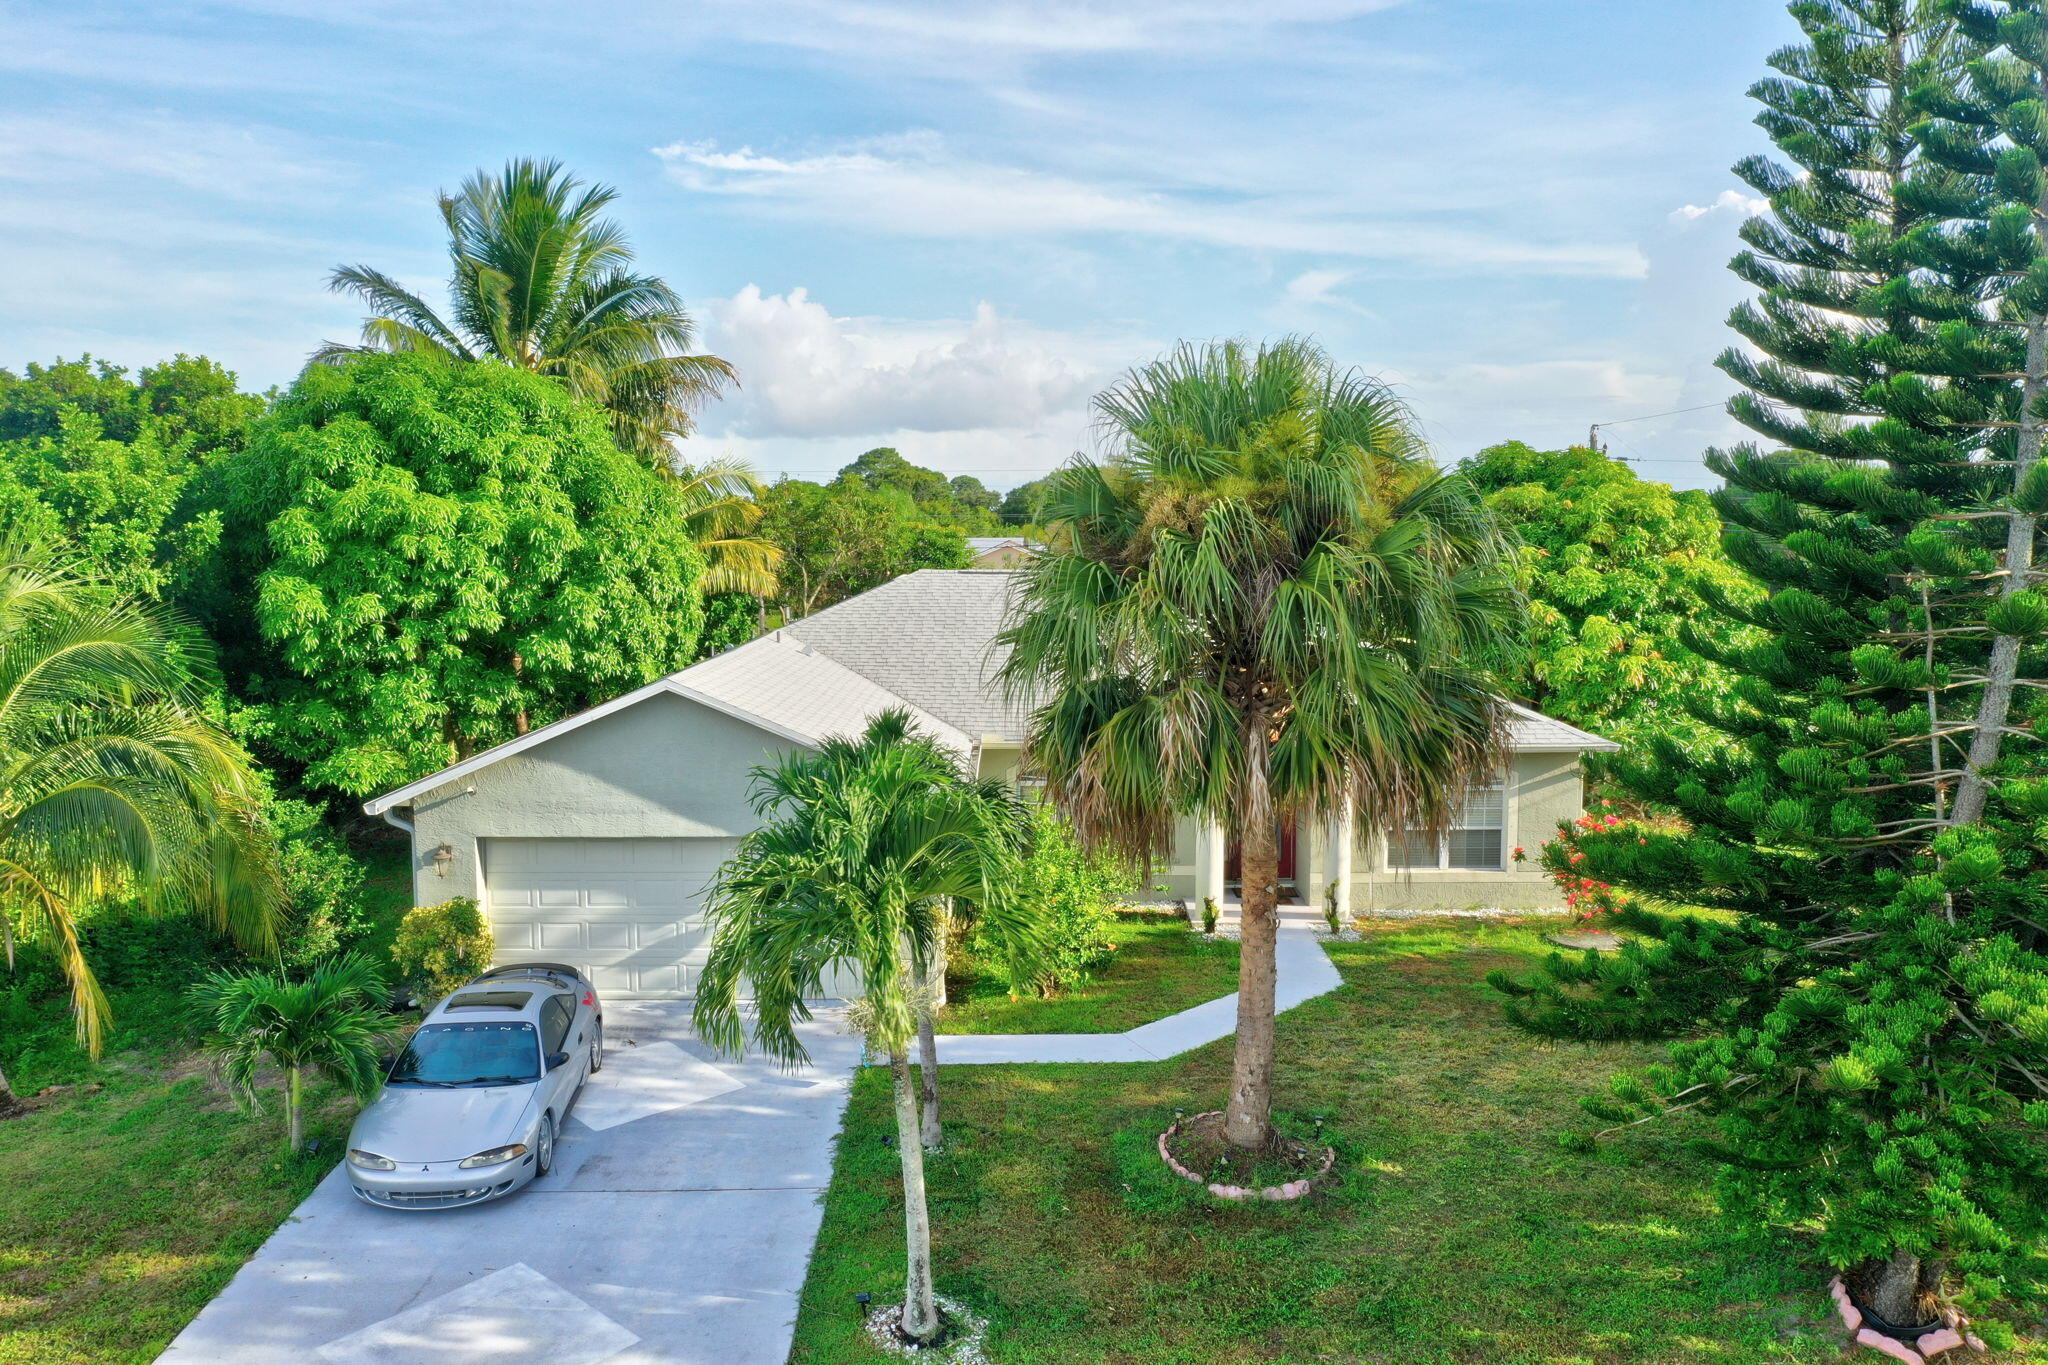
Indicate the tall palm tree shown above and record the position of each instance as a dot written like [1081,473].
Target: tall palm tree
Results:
[1265,603]
[861,845]
[330,1022]
[540,280]
[721,501]
[113,782]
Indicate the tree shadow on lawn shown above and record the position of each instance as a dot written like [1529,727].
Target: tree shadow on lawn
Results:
[1457,1228]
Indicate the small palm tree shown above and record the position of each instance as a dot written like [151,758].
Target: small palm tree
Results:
[1266,603]
[540,280]
[114,784]
[861,845]
[721,501]
[330,1022]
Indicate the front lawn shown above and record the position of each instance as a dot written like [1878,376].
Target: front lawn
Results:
[1160,966]
[1460,1232]
[135,1188]
[130,1199]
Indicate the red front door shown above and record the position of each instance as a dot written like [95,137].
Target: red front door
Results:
[1232,863]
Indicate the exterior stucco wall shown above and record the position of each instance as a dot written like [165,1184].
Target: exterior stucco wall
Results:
[663,768]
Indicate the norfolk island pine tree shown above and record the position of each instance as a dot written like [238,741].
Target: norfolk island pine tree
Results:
[1265,603]
[1866,1034]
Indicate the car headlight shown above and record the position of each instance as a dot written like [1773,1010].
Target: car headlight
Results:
[370,1161]
[497,1156]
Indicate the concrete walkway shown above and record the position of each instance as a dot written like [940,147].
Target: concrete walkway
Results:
[1304,972]
[676,1228]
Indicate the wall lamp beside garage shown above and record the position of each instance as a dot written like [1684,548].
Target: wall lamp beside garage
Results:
[443,856]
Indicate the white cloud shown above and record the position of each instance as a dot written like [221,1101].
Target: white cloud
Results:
[1727,201]
[1057,28]
[915,185]
[806,373]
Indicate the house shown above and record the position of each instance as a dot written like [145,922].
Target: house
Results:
[592,840]
[998,552]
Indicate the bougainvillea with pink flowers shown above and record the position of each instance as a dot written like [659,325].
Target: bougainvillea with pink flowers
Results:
[1560,857]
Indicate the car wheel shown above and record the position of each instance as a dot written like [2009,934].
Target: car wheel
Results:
[544,1147]
[597,1050]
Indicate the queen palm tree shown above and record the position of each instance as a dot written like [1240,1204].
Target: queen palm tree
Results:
[721,501]
[540,280]
[1265,603]
[860,847]
[330,1022]
[113,782]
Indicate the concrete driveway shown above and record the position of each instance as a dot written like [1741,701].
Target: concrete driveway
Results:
[676,1228]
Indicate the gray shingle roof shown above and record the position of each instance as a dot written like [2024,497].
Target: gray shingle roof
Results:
[795,688]
[926,637]
[1529,729]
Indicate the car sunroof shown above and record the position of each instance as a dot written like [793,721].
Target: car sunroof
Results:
[491,1000]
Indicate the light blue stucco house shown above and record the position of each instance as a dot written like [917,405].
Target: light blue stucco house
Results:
[590,841]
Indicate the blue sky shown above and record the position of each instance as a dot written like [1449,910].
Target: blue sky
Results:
[935,225]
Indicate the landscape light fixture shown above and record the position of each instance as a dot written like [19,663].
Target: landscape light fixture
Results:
[864,1299]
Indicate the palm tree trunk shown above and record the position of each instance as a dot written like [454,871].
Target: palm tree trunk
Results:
[931,1134]
[7,1099]
[920,1310]
[1247,1118]
[293,1119]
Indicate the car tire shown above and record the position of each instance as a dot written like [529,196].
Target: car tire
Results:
[544,1147]
[597,1050]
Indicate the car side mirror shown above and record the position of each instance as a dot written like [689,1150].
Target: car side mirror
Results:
[556,1059]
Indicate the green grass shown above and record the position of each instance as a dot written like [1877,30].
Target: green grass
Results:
[132,1198]
[1459,1232]
[136,1188]
[1160,966]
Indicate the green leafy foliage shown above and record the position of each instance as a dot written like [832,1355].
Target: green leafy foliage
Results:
[1070,896]
[328,912]
[441,947]
[730,619]
[842,538]
[1856,1027]
[1614,568]
[105,463]
[439,556]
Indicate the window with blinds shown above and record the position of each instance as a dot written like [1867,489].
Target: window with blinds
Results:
[1475,842]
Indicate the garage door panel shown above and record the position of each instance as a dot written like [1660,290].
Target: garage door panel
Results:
[627,911]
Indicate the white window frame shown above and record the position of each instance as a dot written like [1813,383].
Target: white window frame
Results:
[1397,838]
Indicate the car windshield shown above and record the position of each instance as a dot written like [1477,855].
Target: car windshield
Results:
[469,1054]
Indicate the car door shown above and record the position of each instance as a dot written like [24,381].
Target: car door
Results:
[557,1015]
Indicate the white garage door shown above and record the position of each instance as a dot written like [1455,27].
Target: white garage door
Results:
[627,911]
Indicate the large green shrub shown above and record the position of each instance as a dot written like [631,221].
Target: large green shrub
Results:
[1070,895]
[324,883]
[439,947]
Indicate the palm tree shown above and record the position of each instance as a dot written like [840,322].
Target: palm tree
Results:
[1265,603]
[113,782]
[861,845]
[721,501]
[329,1022]
[541,281]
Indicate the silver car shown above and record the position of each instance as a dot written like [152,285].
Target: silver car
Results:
[471,1107]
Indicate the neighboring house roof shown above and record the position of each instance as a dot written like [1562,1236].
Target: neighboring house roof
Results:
[924,642]
[981,544]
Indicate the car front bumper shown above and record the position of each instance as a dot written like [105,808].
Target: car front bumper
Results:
[437,1184]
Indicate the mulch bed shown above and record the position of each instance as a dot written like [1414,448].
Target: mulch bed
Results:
[1197,1150]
